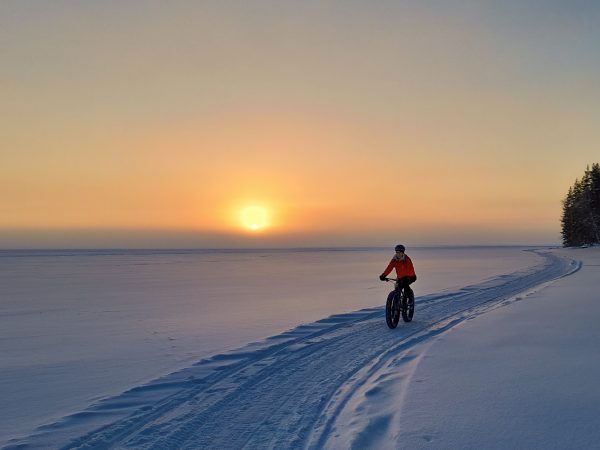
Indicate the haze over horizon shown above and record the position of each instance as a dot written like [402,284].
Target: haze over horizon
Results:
[285,124]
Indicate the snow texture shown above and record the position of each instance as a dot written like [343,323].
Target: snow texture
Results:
[348,381]
[80,326]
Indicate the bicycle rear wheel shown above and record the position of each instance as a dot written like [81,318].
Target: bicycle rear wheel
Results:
[408,306]
[392,307]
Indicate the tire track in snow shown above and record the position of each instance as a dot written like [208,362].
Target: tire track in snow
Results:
[287,391]
[400,361]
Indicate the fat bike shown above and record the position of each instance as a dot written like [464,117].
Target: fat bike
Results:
[399,302]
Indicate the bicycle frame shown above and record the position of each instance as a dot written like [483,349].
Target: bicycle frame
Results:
[400,302]
[396,285]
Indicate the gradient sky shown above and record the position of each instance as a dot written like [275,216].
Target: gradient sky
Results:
[153,124]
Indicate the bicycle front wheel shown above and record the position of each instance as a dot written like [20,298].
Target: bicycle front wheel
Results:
[391,310]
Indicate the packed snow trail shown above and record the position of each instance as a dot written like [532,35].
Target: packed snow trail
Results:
[288,391]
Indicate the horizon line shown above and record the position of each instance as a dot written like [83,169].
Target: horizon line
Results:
[233,249]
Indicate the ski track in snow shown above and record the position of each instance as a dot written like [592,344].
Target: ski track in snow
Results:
[300,389]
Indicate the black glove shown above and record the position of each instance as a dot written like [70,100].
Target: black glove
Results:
[382,277]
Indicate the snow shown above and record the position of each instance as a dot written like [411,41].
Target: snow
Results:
[79,327]
[508,362]
[524,375]
[521,373]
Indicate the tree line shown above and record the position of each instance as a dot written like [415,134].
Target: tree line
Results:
[581,210]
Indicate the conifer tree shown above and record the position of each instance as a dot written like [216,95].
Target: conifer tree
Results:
[568,219]
[581,210]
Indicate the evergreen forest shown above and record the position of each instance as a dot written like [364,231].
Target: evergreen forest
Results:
[581,210]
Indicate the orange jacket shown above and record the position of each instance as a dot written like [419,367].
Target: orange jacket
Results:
[404,268]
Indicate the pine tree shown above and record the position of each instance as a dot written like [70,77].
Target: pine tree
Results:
[581,210]
[568,219]
[594,198]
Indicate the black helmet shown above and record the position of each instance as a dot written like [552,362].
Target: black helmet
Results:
[399,248]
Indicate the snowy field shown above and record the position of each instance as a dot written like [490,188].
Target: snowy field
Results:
[524,375]
[326,383]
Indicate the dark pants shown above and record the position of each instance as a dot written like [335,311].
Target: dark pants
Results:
[405,282]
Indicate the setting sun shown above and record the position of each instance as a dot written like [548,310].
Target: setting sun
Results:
[255,218]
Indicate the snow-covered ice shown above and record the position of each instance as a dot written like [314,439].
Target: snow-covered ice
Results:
[461,375]
[79,326]
[523,375]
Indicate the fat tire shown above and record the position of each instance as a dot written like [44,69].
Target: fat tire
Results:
[391,318]
[408,307]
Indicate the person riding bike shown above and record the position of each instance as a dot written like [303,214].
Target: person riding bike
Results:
[405,270]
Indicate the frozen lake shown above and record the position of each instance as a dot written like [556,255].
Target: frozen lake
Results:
[77,326]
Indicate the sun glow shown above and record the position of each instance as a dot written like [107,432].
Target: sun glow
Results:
[255,218]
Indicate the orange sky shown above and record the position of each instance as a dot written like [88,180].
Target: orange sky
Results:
[349,124]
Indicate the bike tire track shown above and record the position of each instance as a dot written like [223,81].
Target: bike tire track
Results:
[286,393]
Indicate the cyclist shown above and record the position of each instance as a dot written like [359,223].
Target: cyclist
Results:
[405,272]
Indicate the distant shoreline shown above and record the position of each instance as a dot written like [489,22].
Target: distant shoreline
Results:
[192,251]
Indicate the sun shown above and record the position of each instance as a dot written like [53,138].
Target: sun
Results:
[254,218]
